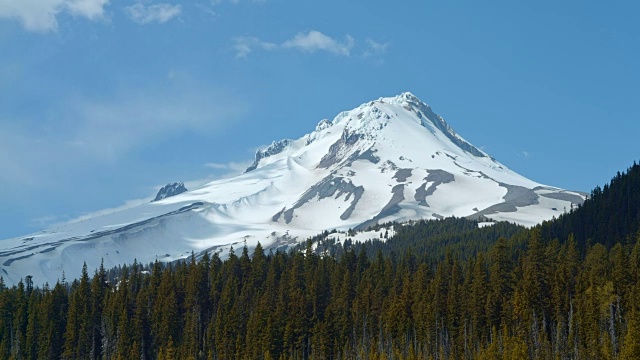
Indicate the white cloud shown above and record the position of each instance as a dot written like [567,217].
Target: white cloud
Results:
[314,40]
[125,206]
[145,14]
[244,45]
[234,166]
[310,42]
[44,221]
[41,15]
[376,47]
[207,9]
[218,2]
[196,184]
[217,166]
[239,166]
[226,170]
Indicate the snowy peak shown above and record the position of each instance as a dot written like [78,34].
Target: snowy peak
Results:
[363,126]
[391,159]
[362,123]
[432,121]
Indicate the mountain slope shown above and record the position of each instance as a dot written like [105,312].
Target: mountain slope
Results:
[389,159]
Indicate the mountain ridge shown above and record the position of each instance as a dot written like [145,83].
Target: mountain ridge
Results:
[391,159]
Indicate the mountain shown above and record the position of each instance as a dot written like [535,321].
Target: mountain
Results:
[392,159]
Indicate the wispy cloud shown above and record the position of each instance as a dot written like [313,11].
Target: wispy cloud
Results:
[227,170]
[91,131]
[244,45]
[109,129]
[129,204]
[310,42]
[42,15]
[216,166]
[217,2]
[159,13]
[235,167]
[313,40]
[209,8]
[44,221]
[376,47]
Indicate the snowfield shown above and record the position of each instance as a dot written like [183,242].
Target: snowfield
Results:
[392,159]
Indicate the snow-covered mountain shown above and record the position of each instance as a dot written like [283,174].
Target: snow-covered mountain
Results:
[388,159]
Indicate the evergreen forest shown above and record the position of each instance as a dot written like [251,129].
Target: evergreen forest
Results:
[443,289]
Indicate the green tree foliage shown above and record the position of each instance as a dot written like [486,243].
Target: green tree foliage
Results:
[546,302]
[430,292]
[610,215]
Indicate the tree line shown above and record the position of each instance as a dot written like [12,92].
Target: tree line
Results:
[527,295]
[544,302]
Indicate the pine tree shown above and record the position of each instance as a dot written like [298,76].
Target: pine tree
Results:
[194,304]
[73,327]
[478,298]
[140,323]
[98,290]
[535,286]
[85,316]
[33,326]
[500,282]
[631,345]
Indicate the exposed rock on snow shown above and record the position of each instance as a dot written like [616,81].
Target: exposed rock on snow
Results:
[169,190]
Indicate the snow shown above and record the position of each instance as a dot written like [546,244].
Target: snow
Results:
[362,236]
[241,210]
[485,224]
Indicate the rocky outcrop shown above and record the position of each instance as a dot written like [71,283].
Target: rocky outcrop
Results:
[170,190]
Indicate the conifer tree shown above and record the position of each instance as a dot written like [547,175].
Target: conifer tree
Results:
[478,298]
[98,290]
[500,282]
[34,324]
[631,345]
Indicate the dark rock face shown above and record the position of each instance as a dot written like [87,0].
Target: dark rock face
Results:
[391,208]
[170,190]
[573,198]
[437,177]
[517,196]
[338,149]
[402,175]
[275,148]
[327,187]
[368,155]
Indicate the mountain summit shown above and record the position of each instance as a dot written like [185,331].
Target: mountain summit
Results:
[392,159]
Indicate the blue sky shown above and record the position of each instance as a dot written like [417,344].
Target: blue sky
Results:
[103,101]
